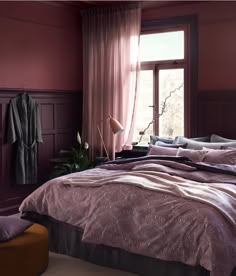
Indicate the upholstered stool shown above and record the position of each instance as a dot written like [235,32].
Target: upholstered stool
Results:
[26,254]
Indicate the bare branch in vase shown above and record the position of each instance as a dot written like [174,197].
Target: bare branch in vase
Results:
[163,110]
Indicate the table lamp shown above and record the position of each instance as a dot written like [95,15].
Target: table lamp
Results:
[116,128]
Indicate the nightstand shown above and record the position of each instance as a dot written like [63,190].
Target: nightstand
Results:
[100,160]
[137,151]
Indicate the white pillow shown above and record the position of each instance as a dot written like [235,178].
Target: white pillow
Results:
[191,144]
[219,139]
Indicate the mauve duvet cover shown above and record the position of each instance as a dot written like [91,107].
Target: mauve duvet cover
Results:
[155,223]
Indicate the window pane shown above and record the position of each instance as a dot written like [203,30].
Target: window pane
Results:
[162,46]
[144,111]
[171,123]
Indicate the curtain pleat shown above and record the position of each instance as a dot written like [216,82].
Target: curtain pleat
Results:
[110,74]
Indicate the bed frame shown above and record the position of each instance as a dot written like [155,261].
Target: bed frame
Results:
[66,239]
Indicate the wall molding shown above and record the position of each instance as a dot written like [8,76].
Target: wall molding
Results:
[52,93]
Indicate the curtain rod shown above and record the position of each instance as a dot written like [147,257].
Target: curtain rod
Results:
[113,8]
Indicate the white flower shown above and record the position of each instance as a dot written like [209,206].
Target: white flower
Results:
[86,145]
[78,138]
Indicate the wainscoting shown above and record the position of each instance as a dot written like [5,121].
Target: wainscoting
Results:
[61,118]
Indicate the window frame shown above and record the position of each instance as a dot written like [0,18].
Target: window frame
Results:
[189,24]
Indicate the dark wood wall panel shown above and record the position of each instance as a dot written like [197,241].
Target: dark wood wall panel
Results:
[47,115]
[216,113]
[228,119]
[7,167]
[46,151]
[1,143]
[1,119]
[57,112]
[1,164]
[62,121]
[65,141]
[208,119]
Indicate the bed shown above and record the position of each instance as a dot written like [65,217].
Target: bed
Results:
[151,215]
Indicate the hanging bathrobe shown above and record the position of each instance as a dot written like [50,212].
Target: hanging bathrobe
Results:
[24,129]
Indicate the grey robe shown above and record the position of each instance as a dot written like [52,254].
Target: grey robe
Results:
[24,129]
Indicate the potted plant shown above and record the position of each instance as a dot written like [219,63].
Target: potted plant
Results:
[72,160]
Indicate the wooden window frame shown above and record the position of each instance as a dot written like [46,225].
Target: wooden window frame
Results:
[189,24]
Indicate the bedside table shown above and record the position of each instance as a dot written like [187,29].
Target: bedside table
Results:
[100,160]
[137,151]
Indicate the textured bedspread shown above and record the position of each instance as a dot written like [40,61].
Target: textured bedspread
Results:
[165,224]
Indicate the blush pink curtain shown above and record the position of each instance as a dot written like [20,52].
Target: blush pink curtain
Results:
[110,74]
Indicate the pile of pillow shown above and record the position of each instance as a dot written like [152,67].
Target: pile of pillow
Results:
[216,142]
[155,139]
[213,149]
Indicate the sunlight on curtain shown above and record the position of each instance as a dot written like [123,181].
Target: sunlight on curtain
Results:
[110,73]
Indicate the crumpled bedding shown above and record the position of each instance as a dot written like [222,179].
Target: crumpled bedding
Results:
[160,224]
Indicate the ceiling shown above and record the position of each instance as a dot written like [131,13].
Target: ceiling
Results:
[145,4]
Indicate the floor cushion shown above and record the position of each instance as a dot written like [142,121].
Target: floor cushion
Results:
[26,254]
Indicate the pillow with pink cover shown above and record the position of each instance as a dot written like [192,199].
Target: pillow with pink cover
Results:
[227,156]
[193,155]
[158,150]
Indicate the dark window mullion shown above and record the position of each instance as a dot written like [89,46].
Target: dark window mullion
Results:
[156,99]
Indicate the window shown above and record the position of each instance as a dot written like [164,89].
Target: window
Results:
[162,105]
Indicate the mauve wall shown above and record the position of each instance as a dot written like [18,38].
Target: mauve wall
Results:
[217,40]
[41,46]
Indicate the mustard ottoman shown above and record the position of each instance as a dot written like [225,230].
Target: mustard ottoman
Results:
[26,254]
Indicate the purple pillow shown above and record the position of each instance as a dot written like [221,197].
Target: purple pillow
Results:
[157,150]
[10,227]
[221,156]
[193,155]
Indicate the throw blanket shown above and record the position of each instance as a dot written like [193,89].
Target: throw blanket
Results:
[218,195]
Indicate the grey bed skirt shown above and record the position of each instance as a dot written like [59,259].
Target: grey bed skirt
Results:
[66,239]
